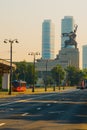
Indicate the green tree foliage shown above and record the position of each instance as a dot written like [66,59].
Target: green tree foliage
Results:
[58,74]
[24,72]
[85,73]
[49,80]
[74,75]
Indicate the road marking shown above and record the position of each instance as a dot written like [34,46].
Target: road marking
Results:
[2,124]
[58,112]
[39,97]
[25,114]
[11,109]
[5,104]
[38,108]
[48,105]
[55,101]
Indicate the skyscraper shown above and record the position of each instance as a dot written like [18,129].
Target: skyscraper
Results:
[48,39]
[67,26]
[84,56]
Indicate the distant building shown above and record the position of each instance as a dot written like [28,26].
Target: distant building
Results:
[84,56]
[48,39]
[67,55]
[67,26]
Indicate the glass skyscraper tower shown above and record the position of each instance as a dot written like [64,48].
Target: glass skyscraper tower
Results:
[67,26]
[48,39]
[84,56]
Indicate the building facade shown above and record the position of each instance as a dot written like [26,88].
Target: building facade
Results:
[48,39]
[67,26]
[67,55]
[84,56]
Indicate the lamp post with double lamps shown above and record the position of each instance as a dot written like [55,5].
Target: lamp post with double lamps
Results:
[11,43]
[34,56]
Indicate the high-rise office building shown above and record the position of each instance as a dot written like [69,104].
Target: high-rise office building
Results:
[67,26]
[84,56]
[48,39]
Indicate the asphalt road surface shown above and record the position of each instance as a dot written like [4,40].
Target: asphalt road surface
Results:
[48,111]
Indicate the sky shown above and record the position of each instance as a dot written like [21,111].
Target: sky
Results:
[22,19]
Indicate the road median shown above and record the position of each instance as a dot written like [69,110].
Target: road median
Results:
[37,90]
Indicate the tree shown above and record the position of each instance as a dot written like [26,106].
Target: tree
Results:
[24,71]
[30,74]
[85,73]
[20,72]
[74,75]
[58,74]
[49,80]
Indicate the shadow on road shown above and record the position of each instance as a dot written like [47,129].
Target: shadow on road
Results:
[65,109]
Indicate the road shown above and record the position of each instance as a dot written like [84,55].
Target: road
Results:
[59,110]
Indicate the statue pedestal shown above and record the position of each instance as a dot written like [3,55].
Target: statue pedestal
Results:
[71,55]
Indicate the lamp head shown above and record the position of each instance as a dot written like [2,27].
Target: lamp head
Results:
[5,41]
[16,41]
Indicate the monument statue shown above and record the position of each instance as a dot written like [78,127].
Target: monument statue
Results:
[72,37]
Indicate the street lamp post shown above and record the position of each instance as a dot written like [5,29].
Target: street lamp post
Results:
[59,81]
[11,42]
[46,75]
[34,56]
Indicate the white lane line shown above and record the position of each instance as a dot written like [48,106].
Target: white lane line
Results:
[24,114]
[57,112]
[39,97]
[5,104]
[39,108]
[11,109]
[1,124]
[48,105]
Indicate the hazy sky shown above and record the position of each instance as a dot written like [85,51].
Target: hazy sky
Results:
[22,19]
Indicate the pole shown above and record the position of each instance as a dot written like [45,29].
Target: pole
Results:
[34,54]
[59,81]
[46,77]
[33,89]
[11,42]
[54,87]
[10,68]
